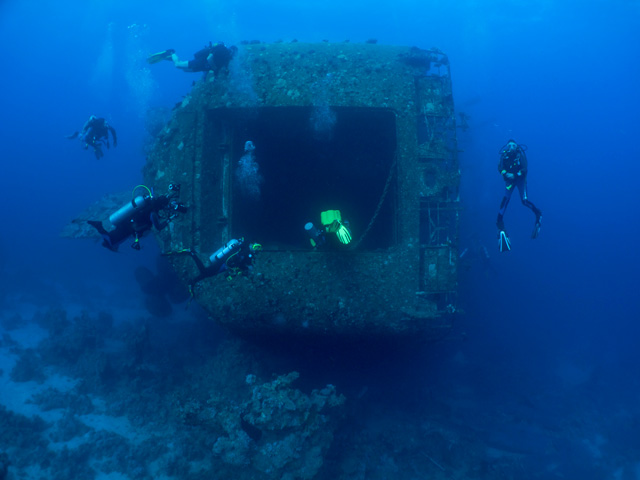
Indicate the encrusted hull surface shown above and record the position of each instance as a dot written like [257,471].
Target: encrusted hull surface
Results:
[363,128]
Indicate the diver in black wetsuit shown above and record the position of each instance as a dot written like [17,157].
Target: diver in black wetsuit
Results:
[513,167]
[95,134]
[213,57]
[235,257]
[138,216]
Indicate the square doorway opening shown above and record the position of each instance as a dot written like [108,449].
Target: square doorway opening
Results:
[307,160]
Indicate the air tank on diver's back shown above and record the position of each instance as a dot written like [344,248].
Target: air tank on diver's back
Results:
[125,213]
[223,252]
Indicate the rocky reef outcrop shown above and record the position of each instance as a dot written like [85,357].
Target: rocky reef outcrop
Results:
[279,432]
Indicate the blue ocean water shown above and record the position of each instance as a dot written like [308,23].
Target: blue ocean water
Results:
[548,329]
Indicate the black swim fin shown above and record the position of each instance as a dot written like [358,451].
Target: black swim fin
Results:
[98,226]
[536,228]
[158,57]
[503,241]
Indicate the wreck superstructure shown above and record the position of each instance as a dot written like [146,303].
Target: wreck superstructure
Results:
[363,128]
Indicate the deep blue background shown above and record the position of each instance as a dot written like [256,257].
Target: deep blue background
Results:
[561,77]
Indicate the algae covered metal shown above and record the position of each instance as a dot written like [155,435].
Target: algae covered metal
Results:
[365,129]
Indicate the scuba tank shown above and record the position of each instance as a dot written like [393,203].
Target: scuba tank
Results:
[125,213]
[225,251]
[316,236]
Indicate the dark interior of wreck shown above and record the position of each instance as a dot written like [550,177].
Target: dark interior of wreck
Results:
[310,159]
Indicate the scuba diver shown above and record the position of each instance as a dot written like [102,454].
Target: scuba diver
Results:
[139,215]
[247,174]
[213,57]
[234,258]
[513,168]
[95,134]
[332,222]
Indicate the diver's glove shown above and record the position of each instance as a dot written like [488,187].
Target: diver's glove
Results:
[343,233]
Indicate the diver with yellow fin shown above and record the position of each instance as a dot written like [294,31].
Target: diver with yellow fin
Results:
[332,222]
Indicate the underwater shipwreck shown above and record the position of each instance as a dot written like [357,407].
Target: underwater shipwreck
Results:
[363,128]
